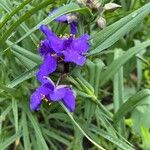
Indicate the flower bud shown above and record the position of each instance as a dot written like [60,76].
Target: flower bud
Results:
[71,18]
[111,6]
[93,4]
[101,22]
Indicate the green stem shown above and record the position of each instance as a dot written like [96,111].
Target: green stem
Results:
[118,92]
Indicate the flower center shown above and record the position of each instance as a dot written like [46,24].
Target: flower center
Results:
[66,36]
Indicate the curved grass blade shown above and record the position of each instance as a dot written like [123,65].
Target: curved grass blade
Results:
[26,141]
[56,136]
[13,12]
[25,76]
[24,52]
[10,140]
[23,18]
[36,127]
[114,32]
[8,8]
[118,63]
[130,104]
[115,140]
[27,62]
[82,131]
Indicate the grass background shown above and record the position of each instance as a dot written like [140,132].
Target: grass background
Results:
[113,96]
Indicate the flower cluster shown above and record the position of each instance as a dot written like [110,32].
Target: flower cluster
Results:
[56,50]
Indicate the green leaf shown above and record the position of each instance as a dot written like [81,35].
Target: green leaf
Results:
[114,32]
[131,103]
[145,134]
[56,136]
[118,63]
[32,11]
[26,75]
[15,113]
[111,138]
[24,60]
[13,12]
[36,127]
[26,141]
[81,130]
[7,89]
[8,7]
[24,52]
[10,140]
[140,115]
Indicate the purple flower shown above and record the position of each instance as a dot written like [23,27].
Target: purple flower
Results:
[55,49]
[68,18]
[52,93]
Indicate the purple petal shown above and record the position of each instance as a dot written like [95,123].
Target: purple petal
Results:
[58,93]
[73,27]
[81,44]
[62,18]
[39,94]
[56,43]
[69,100]
[35,101]
[45,48]
[48,66]
[48,33]
[75,57]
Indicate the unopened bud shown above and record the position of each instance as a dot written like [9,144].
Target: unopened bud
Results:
[111,6]
[101,22]
[93,4]
[71,18]
[81,2]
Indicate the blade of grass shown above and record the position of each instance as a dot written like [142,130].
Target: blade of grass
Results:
[32,11]
[9,141]
[15,113]
[26,140]
[36,127]
[115,65]
[130,104]
[25,76]
[8,7]
[78,126]
[13,12]
[24,52]
[111,138]
[118,90]
[114,32]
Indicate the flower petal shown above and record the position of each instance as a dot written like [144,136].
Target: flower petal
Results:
[62,18]
[48,33]
[56,43]
[73,27]
[35,101]
[58,93]
[81,44]
[39,94]
[45,48]
[69,100]
[75,57]
[48,66]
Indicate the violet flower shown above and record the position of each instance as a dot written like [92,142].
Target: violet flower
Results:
[55,49]
[52,93]
[70,18]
